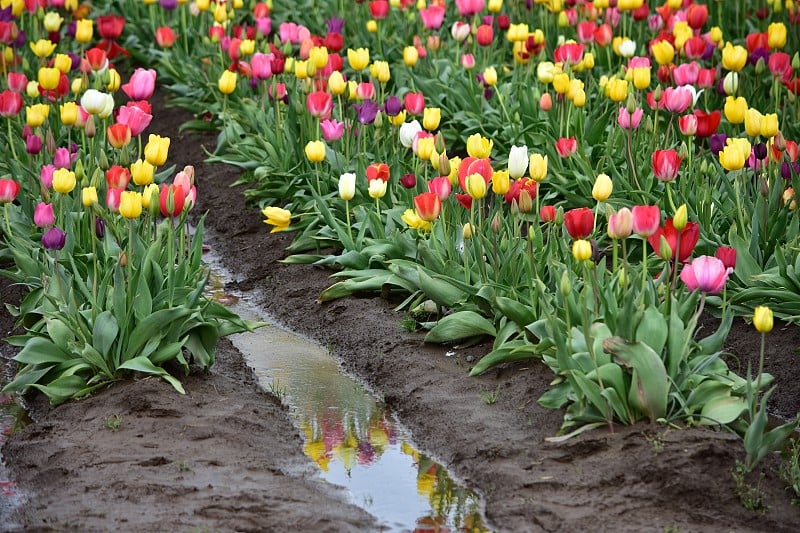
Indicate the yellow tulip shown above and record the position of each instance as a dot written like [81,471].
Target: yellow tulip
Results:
[561,82]
[603,186]
[220,14]
[142,172]
[410,56]
[663,52]
[769,125]
[49,78]
[227,82]
[413,221]
[538,167]
[431,116]
[150,196]
[84,30]
[89,196]
[617,89]
[36,114]
[69,113]
[517,33]
[372,26]
[315,151]
[490,76]
[63,63]
[52,21]
[248,47]
[680,218]
[776,35]
[380,71]
[641,78]
[732,156]
[114,80]
[735,109]
[476,186]
[156,149]
[734,57]
[336,83]
[582,250]
[398,119]
[130,204]
[545,71]
[762,319]
[501,182]
[358,59]
[280,218]
[478,146]
[425,148]
[752,122]
[63,181]
[43,47]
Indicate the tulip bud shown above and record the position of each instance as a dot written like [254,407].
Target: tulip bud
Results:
[497,223]
[444,165]
[796,61]
[560,216]
[565,285]
[704,167]
[760,66]
[648,124]
[438,143]
[656,95]
[97,175]
[664,249]
[525,201]
[630,103]
[80,172]
[681,218]
[102,161]
[582,250]
[731,83]
[779,142]
[762,319]
[683,151]
[90,128]
[51,142]
[466,231]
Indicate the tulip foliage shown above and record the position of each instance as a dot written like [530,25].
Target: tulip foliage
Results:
[576,180]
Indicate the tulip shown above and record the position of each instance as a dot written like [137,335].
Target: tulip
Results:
[62,158]
[141,85]
[676,99]
[49,78]
[762,319]
[579,222]
[431,117]
[97,103]
[135,117]
[776,35]
[332,130]
[735,109]
[547,213]
[9,189]
[142,172]
[538,167]
[119,135]
[752,122]
[566,146]
[227,82]
[582,250]
[628,121]
[501,182]
[428,206]
[727,255]
[478,146]
[165,37]
[414,103]
[54,239]
[10,104]
[490,76]
[150,198]
[732,156]
[319,104]
[408,181]
[44,47]
[705,273]
[475,186]
[358,59]
[277,217]
[646,219]
[666,164]
[89,196]
[171,200]
[518,161]
[377,188]
[118,177]
[315,151]
[413,221]
[769,125]
[734,57]
[36,114]
[378,171]
[441,187]
[410,56]
[602,188]
[707,123]
[620,224]
[156,149]
[663,52]
[130,204]
[63,181]
[669,232]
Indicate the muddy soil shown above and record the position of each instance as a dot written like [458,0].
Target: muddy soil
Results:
[225,457]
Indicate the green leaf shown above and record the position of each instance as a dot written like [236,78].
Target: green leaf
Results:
[144,365]
[460,325]
[439,290]
[722,410]
[105,332]
[652,330]
[151,326]
[61,389]
[39,350]
[503,355]
[60,333]
[649,384]
[94,358]
[516,311]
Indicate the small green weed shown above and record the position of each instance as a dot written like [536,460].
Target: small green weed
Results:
[409,323]
[750,495]
[490,397]
[790,468]
[277,390]
[112,422]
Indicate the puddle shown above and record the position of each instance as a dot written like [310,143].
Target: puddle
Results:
[353,438]
[12,418]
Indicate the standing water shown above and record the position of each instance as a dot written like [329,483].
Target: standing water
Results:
[352,437]
[12,417]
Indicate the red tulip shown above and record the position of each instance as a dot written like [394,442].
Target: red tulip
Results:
[118,177]
[171,200]
[517,186]
[666,164]
[566,147]
[378,171]
[688,124]
[697,15]
[409,181]
[603,35]
[570,53]
[10,104]
[96,58]
[586,31]
[319,104]
[165,37]
[113,197]
[579,222]
[119,135]
[9,189]
[754,41]
[110,26]
[646,219]
[484,35]
[17,81]
[547,213]
[414,103]
[473,165]
[694,48]
[707,123]
[428,206]
[780,65]
[706,78]
[727,255]
[379,9]
[689,236]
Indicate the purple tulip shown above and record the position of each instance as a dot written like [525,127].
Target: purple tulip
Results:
[335,24]
[54,239]
[100,228]
[33,144]
[393,106]
[367,111]
[716,143]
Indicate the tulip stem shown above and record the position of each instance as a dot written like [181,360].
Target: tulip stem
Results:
[93,236]
[349,227]
[170,263]
[11,139]
[5,213]
[644,266]
[631,162]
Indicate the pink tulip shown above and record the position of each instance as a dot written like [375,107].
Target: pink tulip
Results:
[646,219]
[566,146]
[332,130]
[46,176]
[620,224]
[62,158]
[688,124]
[43,215]
[141,85]
[319,104]
[467,8]
[666,164]
[441,186]
[113,197]
[686,74]
[261,64]
[676,99]
[134,117]
[432,17]
[414,103]
[629,121]
[9,189]
[706,273]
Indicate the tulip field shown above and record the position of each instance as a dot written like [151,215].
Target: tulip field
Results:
[581,183]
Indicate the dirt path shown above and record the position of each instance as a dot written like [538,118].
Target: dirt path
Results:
[240,467]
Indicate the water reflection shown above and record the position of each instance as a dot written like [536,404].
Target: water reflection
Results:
[12,418]
[354,439]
